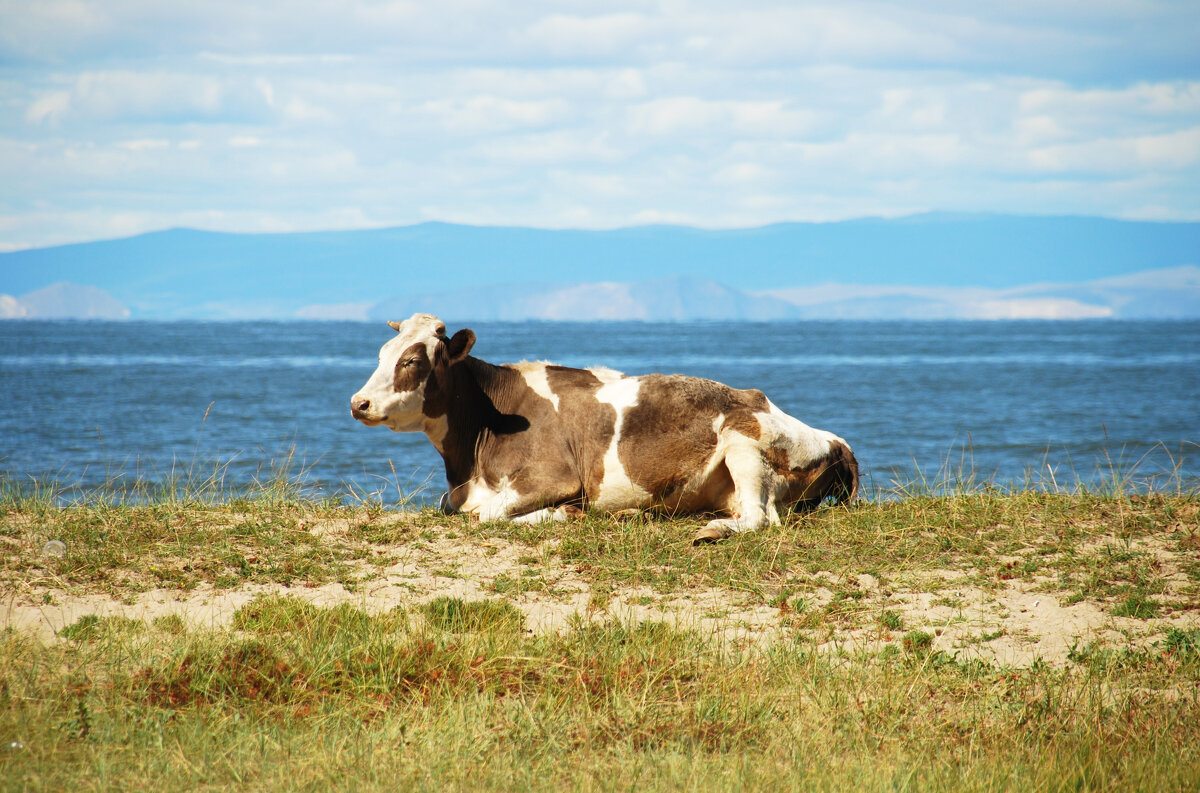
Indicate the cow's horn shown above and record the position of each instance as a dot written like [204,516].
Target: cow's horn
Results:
[394,325]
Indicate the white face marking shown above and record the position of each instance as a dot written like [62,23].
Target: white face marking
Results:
[400,412]
[535,378]
[804,444]
[617,490]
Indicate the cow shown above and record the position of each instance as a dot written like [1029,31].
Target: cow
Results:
[531,441]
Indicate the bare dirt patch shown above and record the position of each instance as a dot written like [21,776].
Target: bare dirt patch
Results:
[1014,621]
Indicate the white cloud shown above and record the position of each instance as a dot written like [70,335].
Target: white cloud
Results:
[480,115]
[145,144]
[593,113]
[688,115]
[609,34]
[49,107]
[1127,155]
[149,97]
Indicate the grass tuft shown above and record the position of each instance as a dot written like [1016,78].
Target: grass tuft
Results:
[917,642]
[454,615]
[1138,606]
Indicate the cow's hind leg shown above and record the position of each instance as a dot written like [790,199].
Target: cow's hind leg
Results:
[752,505]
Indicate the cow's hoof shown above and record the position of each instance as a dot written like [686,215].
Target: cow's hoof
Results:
[711,534]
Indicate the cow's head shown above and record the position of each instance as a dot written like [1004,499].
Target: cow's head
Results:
[395,394]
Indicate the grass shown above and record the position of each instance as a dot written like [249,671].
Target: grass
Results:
[300,697]
[459,693]
[1085,544]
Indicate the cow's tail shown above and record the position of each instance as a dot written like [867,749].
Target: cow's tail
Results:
[843,466]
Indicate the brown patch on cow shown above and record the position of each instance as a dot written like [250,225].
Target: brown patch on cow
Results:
[588,423]
[499,427]
[741,418]
[668,436]
[745,422]
[412,367]
[834,475]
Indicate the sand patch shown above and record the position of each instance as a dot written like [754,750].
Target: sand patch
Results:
[1015,622]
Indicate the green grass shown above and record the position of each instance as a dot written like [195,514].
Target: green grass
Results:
[1082,543]
[298,697]
[458,694]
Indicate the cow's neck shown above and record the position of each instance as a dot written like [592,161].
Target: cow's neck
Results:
[479,405]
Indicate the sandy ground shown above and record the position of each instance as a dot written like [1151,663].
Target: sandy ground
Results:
[1020,623]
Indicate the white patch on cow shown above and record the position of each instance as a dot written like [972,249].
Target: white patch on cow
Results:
[606,375]
[804,445]
[754,505]
[617,490]
[435,430]
[535,378]
[488,504]
[546,515]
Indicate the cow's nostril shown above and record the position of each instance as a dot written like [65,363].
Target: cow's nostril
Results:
[361,405]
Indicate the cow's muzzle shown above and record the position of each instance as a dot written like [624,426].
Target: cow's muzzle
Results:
[361,409]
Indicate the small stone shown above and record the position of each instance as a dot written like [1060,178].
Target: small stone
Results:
[867,582]
[54,548]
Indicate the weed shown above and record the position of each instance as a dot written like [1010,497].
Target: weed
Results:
[1183,642]
[454,615]
[92,626]
[918,642]
[1137,605]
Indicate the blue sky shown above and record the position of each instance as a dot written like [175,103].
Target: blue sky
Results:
[125,116]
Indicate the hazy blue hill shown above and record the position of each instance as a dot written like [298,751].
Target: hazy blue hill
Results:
[663,300]
[72,301]
[191,273]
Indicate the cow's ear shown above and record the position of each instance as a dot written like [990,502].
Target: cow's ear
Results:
[459,345]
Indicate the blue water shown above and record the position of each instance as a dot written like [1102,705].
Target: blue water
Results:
[90,403]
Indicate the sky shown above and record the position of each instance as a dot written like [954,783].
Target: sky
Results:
[125,116]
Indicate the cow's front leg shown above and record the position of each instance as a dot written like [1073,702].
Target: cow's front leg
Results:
[506,503]
[549,515]
[752,503]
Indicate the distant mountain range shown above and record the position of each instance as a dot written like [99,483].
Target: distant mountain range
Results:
[927,266]
[1169,293]
[63,301]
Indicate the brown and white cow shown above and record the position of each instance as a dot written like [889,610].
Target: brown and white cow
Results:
[534,441]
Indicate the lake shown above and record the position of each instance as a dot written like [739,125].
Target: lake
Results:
[91,404]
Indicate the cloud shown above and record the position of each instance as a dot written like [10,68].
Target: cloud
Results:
[156,97]
[485,115]
[574,36]
[1174,150]
[599,114]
